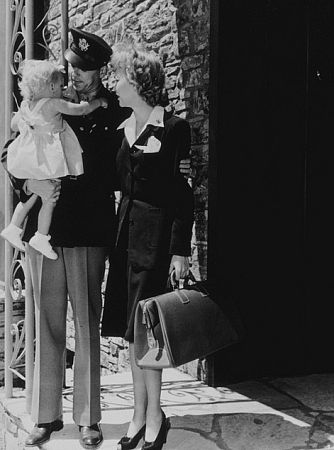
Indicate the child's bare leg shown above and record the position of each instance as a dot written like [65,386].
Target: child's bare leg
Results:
[22,209]
[45,216]
[40,241]
[12,233]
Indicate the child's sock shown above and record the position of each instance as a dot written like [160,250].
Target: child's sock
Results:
[12,234]
[40,242]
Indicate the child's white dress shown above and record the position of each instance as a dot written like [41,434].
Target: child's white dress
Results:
[43,150]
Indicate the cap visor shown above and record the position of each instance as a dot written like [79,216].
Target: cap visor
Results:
[76,61]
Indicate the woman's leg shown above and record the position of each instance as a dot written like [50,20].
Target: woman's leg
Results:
[147,392]
[153,412]
[140,396]
[147,382]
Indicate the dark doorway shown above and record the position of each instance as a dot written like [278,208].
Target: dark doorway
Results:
[271,245]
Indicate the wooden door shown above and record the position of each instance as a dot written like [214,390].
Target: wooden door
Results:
[271,156]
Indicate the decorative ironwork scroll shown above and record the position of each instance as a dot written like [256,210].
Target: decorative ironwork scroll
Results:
[48,30]
[16,288]
[17,360]
[17,329]
[19,32]
[20,43]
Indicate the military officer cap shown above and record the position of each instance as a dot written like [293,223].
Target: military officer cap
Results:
[87,51]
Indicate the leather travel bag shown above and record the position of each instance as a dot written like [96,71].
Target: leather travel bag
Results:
[180,326]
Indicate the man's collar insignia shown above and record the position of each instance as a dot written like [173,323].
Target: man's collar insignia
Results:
[83,44]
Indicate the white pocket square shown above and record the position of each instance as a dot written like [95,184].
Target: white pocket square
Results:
[153,145]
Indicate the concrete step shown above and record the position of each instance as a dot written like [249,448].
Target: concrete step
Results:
[249,416]
[180,391]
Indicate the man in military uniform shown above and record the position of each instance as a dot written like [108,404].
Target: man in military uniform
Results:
[82,232]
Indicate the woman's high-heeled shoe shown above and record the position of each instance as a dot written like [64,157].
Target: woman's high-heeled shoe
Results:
[162,436]
[127,443]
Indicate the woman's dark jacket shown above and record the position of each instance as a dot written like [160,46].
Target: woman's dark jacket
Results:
[157,202]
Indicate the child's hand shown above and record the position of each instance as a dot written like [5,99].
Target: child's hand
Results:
[69,93]
[104,102]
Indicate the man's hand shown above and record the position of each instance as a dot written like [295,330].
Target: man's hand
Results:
[185,167]
[46,189]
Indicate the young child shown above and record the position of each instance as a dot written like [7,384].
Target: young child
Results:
[46,148]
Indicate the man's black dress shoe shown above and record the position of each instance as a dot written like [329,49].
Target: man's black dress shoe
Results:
[90,436]
[42,431]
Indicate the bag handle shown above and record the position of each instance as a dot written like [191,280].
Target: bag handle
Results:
[182,282]
[184,285]
[179,287]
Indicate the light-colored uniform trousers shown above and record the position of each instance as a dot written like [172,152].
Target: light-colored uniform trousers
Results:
[76,275]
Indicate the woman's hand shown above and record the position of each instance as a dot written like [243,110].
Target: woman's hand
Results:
[46,189]
[179,268]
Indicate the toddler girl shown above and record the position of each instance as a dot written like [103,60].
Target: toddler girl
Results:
[46,147]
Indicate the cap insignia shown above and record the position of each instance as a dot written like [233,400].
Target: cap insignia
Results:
[83,44]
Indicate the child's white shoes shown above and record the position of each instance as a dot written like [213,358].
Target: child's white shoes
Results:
[40,242]
[12,234]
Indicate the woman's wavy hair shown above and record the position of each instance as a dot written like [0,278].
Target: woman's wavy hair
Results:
[143,69]
[36,75]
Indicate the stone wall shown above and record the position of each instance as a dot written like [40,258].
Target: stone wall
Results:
[178,30]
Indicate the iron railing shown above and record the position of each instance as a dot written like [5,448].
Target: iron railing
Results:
[19,337]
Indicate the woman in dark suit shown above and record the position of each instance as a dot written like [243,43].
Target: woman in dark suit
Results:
[155,222]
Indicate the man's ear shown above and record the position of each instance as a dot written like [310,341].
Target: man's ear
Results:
[103,71]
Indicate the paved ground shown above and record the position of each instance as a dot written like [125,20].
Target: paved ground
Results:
[279,414]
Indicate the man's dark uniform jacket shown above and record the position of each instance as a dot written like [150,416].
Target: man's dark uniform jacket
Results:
[85,212]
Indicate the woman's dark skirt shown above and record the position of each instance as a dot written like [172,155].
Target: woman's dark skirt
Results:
[126,287]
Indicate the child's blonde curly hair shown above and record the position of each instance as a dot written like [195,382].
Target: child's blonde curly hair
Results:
[143,69]
[36,75]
